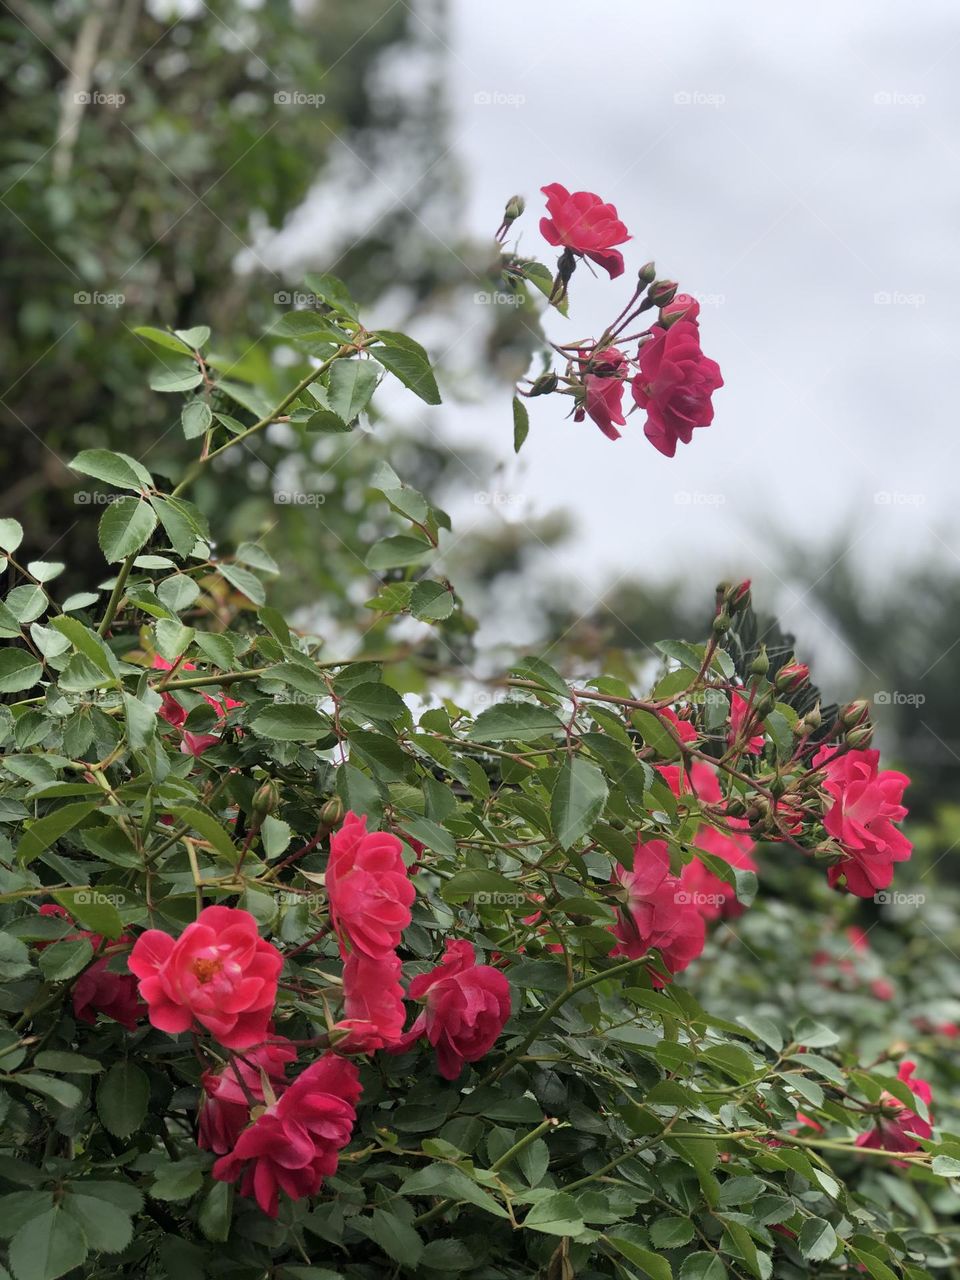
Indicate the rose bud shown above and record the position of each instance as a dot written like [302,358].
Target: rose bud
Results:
[647,273]
[761,663]
[515,206]
[860,738]
[683,307]
[792,676]
[663,292]
[855,714]
[266,798]
[543,385]
[332,812]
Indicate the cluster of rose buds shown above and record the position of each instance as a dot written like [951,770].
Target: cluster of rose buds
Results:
[668,374]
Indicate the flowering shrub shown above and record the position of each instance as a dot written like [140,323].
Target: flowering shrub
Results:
[243,1038]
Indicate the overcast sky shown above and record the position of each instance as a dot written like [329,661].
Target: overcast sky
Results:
[797,168]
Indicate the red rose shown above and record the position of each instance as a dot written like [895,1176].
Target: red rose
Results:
[225,1106]
[219,972]
[98,988]
[369,889]
[193,744]
[582,222]
[865,803]
[604,386]
[295,1143]
[372,1003]
[674,385]
[467,1005]
[899,1128]
[658,913]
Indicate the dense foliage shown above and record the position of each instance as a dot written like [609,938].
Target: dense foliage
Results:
[319,965]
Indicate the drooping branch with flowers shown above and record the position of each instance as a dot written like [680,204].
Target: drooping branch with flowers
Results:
[313,969]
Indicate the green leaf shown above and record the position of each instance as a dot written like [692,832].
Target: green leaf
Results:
[817,1240]
[432,601]
[290,722]
[556,1215]
[703,1266]
[449,1181]
[41,833]
[68,1063]
[95,911]
[308,326]
[671,1233]
[106,1226]
[19,670]
[61,1091]
[486,886]
[14,957]
[124,527]
[395,1237]
[408,361]
[374,701]
[183,524]
[946,1166]
[11,534]
[521,423]
[350,386]
[161,338]
[181,376]
[209,828]
[178,1180]
[579,796]
[87,642]
[122,1098]
[215,1214]
[65,959]
[48,1246]
[397,552]
[195,338]
[514,722]
[247,583]
[116,469]
[196,418]
[650,1264]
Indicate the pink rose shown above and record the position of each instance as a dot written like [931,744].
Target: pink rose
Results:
[865,802]
[296,1142]
[674,385]
[657,914]
[372,1003]
[899,1128]
[467,1005]
[193,744]
[225,1105]
[583,223]
[741,710]
[712,896]
[604,385]
[219,972]
[369,889]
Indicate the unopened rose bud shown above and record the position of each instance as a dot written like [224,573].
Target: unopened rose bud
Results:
[761,663]
[543,385]
[737,597]
[266,798]
[855,714]
[860,738]
[647,273]
[332,812]
[721,622]
[683,307]
[765,704]
[812,719]
[515,206]
[663,292]
[792,676]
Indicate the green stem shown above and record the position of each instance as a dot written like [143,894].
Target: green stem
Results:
[113,604]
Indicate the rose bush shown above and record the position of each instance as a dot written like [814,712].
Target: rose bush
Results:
[242,1039]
